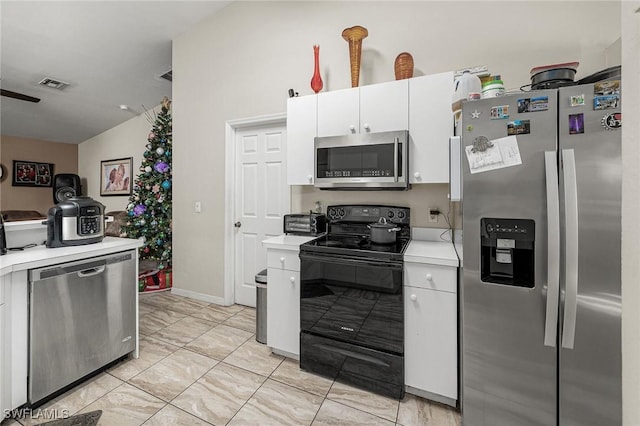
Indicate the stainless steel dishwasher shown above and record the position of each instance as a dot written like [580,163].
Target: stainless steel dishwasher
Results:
[82,317]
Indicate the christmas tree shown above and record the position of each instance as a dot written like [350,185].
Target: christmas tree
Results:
[149,208]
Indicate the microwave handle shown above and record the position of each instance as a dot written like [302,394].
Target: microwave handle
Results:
[396,142]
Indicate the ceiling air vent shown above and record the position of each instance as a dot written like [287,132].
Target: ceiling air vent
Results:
[54,84]
[167,75]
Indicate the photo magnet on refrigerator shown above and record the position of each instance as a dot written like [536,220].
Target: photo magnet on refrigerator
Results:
[576,124]
[577,100]
[500,112]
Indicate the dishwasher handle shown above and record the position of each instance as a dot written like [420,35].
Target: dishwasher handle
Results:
[91,272]
[83,268]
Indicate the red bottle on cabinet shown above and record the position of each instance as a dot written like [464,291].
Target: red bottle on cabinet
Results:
[316,80]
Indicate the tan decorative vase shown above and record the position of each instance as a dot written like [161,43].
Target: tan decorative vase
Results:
[354,37]
[403,66]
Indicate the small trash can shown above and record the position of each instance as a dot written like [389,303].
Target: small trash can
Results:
[261,306]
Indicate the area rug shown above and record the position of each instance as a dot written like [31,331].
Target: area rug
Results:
[87,419]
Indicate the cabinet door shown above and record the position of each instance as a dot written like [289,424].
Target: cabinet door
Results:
[338,112]
[431,348]
[384,107]
[302,115]
[283,310]
[430,126]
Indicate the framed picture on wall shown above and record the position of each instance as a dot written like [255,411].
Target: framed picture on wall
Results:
[115,177]
[32,173]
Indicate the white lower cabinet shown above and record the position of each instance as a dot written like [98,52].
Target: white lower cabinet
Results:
[431,334]
[283,302]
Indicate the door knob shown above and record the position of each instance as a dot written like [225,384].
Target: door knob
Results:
[237,224]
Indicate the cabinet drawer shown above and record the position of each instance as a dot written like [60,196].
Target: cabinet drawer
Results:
[281,259]
[432,277]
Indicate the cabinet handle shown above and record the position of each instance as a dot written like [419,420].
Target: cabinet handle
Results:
[413,297]
[282,260]
[292,279]
[429,277]
[352,128]
[416,175]
[367,127]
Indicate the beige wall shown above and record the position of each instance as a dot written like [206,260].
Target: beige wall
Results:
[630,209]
[64,156]
[126,140]
[240,63]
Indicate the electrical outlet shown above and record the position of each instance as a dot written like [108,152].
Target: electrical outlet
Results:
[433,215]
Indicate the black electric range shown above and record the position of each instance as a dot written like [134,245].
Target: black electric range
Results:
[351,302]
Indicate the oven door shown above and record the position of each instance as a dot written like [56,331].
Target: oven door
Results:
[353,300]
[365,161]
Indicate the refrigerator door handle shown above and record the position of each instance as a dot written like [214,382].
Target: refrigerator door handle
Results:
[553,252]
[571,248]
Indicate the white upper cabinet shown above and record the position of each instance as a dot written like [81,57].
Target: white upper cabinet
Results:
[421,105]
[430,127]
[367,109]
[301,131]
[338,112]
[384,107]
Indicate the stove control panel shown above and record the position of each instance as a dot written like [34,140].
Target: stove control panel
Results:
[366,213]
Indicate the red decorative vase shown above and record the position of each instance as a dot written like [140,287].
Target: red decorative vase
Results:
[316,80]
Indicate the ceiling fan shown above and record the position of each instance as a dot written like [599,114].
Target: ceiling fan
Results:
[19,96]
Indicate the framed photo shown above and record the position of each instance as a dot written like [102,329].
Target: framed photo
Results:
[32,173]
[115,177]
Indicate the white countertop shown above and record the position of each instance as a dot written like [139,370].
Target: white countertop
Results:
[40,255]
[432,252]
[286,242]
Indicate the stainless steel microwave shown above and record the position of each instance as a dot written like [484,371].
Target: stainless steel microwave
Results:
[368,161]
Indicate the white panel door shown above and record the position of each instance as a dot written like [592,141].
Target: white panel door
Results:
[262,198]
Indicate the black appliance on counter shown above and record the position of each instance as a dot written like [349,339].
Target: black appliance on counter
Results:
[351,303]
[75,221]
[313,224]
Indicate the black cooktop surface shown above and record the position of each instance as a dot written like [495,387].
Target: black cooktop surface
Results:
[356,245]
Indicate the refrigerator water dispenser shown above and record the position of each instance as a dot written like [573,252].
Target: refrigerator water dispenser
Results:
[507,251]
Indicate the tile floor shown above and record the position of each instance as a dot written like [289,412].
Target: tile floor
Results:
[200,364]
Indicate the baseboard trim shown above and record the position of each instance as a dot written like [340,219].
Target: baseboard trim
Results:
[198,296]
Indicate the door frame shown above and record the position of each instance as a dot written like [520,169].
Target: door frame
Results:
[231,129]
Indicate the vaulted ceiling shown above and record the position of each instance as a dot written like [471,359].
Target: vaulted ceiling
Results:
[111,53]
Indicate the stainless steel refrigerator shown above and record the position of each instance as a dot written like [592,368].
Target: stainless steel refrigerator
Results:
[541,303]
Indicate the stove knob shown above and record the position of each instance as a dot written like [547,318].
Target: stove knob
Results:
[332,213]
[401,214]
[390,214]
[341,213]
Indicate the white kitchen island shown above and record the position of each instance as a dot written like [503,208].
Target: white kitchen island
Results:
[14,299]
